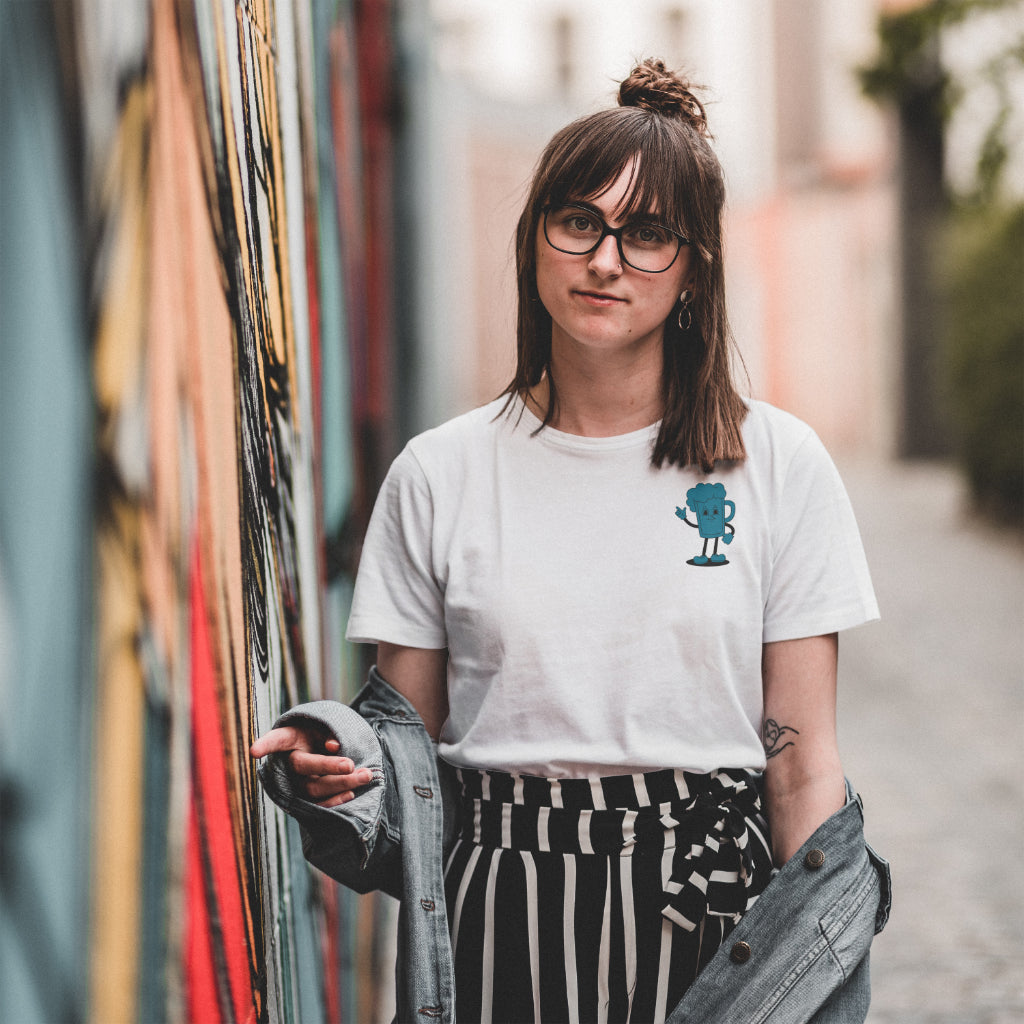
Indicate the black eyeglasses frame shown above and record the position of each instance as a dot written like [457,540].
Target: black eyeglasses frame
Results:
[607,230]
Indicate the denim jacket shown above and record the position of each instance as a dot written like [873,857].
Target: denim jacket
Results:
[798,956]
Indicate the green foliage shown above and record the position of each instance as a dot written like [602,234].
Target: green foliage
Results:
[907,68]
[983,265]
[984,353]
[907,41]
[905,63]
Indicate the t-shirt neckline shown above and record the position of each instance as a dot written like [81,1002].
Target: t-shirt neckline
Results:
[580,442]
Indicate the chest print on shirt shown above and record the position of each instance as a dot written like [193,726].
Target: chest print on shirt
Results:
[707,502]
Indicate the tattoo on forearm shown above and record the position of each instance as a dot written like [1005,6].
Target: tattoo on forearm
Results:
[775,740]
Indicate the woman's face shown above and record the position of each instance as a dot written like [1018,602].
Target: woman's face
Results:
[599,302]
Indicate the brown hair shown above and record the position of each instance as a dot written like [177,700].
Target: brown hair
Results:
[660,121]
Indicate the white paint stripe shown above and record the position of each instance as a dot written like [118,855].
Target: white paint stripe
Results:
[569,937]
[724,876]
[597,795]
[460,897]
[628,926]
[477,805]
[604,954]
[533,928]
[506,826]
[628,832]
[584,832]
[451,856]
[487,965]
[664,963]
[676,918]
[556,793]
[640,785]
[666,865]
[517,790]
[543,839]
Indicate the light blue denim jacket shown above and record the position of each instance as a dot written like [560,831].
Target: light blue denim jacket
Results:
[798,956]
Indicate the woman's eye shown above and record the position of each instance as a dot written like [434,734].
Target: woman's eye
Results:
[648,234]
[580,223]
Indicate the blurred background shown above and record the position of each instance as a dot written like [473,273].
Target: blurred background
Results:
[248,248]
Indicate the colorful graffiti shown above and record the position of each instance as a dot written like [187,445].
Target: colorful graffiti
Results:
[236,194]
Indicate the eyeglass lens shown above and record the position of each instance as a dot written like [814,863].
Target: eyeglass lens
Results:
[644,245]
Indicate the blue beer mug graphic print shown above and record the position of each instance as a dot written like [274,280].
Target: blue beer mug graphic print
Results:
[708,503]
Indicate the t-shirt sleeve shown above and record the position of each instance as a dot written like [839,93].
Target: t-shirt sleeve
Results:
[397,597]
[819,575]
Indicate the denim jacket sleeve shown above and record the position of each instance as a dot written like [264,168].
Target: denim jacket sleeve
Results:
[800,954]
[359,843]
[355,843]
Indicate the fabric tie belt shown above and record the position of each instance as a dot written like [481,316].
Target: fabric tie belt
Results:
[712,824]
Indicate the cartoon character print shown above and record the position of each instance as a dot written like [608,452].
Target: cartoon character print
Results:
[708,502]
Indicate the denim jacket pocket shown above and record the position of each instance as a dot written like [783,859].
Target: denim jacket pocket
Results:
[848,924]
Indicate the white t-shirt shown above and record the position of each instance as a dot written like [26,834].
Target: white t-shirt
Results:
[586,635]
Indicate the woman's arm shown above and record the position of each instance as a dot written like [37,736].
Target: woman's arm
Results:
[322,773]
[804,778]
[420,675]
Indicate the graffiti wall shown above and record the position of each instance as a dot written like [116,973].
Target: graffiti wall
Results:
[233,173]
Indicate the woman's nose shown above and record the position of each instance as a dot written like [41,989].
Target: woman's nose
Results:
[605,260]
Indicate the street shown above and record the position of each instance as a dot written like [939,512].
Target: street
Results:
[931,715]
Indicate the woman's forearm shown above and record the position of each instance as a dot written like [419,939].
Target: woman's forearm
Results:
[804,777]
[795,809]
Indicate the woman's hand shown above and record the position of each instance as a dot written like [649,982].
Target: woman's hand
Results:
[321,774]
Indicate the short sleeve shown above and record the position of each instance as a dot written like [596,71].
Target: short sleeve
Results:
[397,596]
[819,575]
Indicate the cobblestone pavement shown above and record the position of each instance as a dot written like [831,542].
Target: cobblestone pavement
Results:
[932,734]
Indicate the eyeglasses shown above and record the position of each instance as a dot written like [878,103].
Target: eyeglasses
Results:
[643,245]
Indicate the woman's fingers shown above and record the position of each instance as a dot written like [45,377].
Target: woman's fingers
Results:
[326,786]
[287,737]
[304,763]
[335,801]
[326,778]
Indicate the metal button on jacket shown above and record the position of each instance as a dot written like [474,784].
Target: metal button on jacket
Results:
[814,859]
[740,953]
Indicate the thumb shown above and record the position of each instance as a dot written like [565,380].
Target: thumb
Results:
[286,737]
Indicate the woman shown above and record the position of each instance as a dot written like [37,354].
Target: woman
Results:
[536,580]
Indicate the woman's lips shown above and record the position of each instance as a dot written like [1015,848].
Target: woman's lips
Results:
[599,298]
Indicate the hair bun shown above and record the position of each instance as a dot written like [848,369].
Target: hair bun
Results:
[651,86]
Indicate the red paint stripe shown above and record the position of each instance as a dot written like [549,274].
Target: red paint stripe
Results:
[330,948]
[220,852]
[200,980]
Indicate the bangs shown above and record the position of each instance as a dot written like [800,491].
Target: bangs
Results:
[595,150]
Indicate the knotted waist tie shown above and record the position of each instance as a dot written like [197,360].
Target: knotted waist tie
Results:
[721,857]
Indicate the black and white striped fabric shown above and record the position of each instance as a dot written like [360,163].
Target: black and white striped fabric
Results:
[597,899]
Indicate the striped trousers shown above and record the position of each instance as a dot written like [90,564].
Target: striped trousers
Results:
[590,900]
